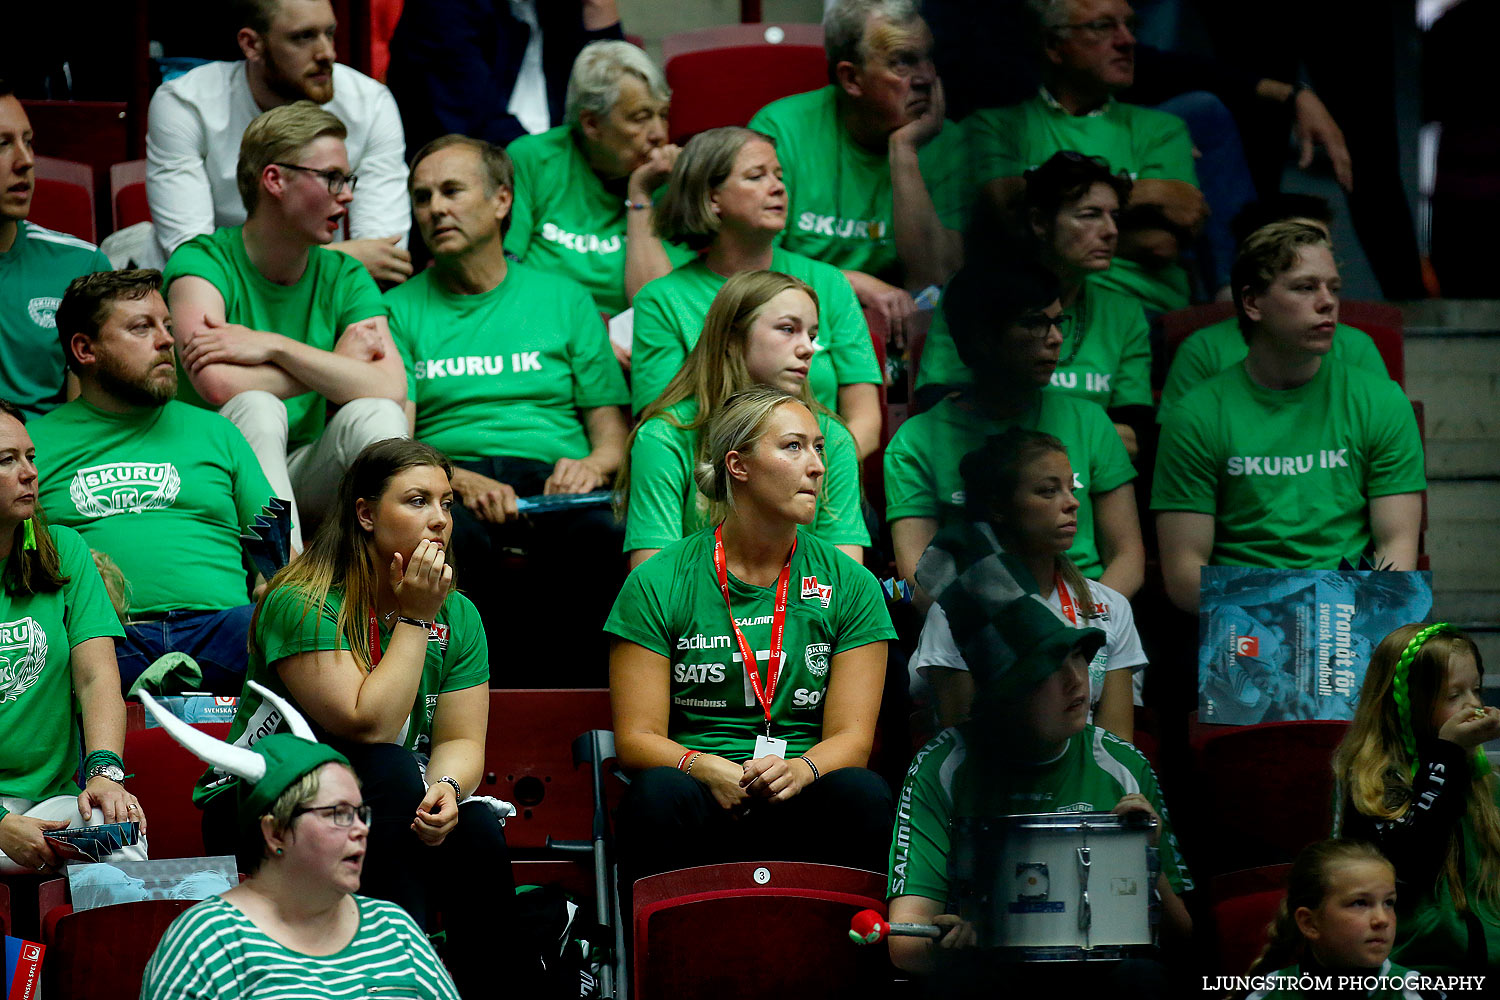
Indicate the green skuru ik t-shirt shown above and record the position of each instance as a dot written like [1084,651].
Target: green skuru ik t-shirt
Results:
[39,743]
[669,314]
[1288,475]
[565,221]
[457,658]
[949,778]
[173,485]
[672,605]
[922,461]
[1146,143]
[839,207]
[1112,363]
[332,293]
[504,372]
[665,503]
[215,952]
[1214,348]
[34,273]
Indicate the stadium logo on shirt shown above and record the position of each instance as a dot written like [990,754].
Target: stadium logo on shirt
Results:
[124,488]
[811,588]
[23,654]
[43,311]
[817,658]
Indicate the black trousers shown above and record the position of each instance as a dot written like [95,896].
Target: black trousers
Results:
[669,820]
[466,879]
[531,576]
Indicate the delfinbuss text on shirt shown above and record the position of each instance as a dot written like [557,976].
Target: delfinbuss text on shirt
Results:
[1278,644]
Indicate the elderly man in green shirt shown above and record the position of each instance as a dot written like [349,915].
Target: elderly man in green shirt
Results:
[1088,53]
[510,373]
[877,180]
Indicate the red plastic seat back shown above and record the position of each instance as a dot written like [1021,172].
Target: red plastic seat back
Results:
[102,953]
[64,198]
[127,194]
[165,776]
[1244,903]
[528,761]
[756,929]
[724,75]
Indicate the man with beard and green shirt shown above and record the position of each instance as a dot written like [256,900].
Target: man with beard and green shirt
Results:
[1004,320]
[151,482]
[1291,459]
[877,180]
[510,373]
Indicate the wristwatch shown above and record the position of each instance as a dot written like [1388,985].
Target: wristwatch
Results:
[109,771]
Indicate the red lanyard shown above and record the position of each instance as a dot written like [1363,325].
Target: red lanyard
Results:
[374,642]
[1064,597]
[778,626]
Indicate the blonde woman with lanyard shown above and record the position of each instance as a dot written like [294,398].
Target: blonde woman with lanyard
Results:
[747,668]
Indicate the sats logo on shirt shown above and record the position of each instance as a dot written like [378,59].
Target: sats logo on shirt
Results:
[124,488]
[811,589]
[23,654]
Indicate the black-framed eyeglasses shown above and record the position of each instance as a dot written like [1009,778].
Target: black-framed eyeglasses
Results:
[342,814]
[1039,325]
[1105,27]
[336,180]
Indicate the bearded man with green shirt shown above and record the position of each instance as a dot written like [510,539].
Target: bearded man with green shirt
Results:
[877,180]
[36,264]
[1291,459]
[151,482]
[1088,53]
[274,330]
[511,375]
[1005,327]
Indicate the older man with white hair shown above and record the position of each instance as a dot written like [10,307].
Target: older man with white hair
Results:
[876,179]
[584,190]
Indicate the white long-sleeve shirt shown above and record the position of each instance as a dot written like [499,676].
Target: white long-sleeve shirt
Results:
[193,144]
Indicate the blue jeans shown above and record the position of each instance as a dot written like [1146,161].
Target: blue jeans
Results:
[1223,176]
[216,640]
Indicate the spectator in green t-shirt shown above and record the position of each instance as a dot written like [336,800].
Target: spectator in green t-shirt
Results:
[36,264]
[583,204]
[726,202]
[57,632]
[877,179]
[150,481]
[1289,459]
[511,375]
[1088,53]
[274,329]
[761,330]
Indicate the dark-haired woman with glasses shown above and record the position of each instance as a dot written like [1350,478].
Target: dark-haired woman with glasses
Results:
[365,635]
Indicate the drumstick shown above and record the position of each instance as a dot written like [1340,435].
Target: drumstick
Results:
[868,927]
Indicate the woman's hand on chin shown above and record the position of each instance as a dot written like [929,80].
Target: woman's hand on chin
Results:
[423,584]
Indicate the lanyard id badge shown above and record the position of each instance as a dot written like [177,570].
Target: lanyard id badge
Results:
[1064,598]
[763,694]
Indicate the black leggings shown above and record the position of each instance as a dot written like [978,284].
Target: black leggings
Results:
[467,878]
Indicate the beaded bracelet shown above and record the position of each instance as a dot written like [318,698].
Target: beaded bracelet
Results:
[808,761]
[693,760]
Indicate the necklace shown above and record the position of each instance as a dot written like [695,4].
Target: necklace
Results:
[1079,323]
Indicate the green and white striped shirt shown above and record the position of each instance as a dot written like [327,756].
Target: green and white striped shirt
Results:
[214,952]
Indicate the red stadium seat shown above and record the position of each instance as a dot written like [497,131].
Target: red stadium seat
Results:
[101,954]
[64,198]
[1244,903]
[127,194]
[723,75]
[756,929]
[165,775]
[1381,320]
[1270,788]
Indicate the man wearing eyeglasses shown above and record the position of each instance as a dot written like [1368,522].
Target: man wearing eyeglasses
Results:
[877,180]
[196,120]
[1088,53]
[274,330]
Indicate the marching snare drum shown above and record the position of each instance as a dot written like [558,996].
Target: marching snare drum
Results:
[1057,887]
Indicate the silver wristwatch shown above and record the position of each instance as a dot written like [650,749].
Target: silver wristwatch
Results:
[109,771]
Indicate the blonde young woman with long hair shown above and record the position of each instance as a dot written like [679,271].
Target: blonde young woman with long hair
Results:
[366,637]
[747,667]
[1412,778]
[761,329]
